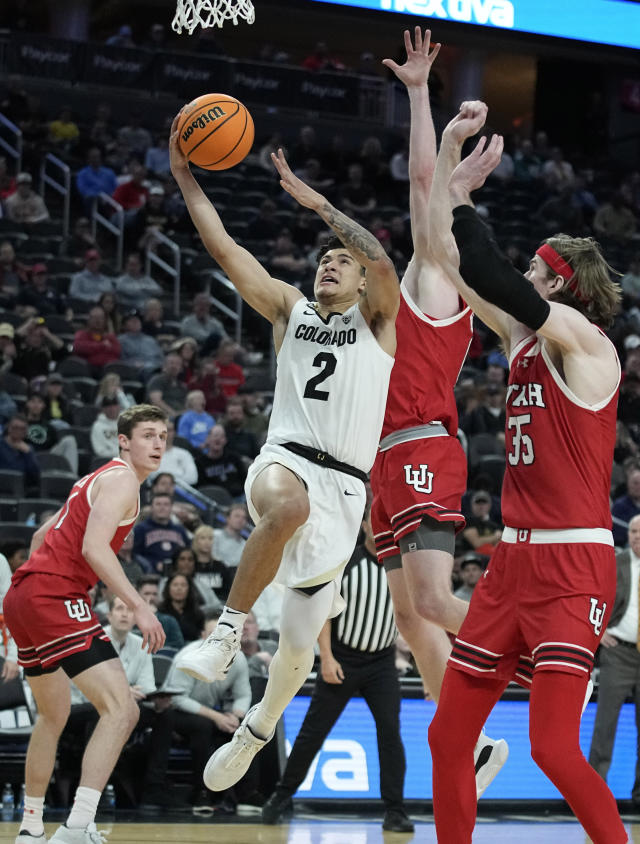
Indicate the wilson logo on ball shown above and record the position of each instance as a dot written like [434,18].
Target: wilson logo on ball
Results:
[201,122]
[215,131]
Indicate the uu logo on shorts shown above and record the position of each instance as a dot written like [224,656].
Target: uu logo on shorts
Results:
[420,479]
[596,615]
[78,610]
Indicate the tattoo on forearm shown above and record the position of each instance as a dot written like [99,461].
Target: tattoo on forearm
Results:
[351,234]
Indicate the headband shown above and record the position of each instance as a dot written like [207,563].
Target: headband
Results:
[560,267]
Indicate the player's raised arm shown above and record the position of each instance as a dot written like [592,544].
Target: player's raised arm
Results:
[269,296]
[382,281]
[115,497]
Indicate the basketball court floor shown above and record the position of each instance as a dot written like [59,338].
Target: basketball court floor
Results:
[314,828]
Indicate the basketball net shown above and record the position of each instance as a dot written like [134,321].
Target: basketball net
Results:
[205,13]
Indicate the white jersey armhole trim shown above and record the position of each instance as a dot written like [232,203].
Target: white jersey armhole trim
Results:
[566,390]
[436,323]
[516,349]
[95,478]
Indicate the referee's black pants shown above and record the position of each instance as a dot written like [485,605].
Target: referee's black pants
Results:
[374,677]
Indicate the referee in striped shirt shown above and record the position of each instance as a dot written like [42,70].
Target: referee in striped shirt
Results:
[357,656]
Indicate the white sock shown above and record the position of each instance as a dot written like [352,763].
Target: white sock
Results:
[85,806]
[32,815]
[232,618]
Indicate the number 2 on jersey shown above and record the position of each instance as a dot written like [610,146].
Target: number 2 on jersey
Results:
[328,362]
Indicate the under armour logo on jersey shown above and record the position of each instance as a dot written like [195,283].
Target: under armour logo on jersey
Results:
[523,362]
[596,615]
[80,610]
[418,478]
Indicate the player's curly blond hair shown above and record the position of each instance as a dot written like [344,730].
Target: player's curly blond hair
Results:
[591,289]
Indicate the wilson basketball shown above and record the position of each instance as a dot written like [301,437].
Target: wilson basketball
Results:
[215,131]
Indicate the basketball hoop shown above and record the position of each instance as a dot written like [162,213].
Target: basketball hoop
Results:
[205,13]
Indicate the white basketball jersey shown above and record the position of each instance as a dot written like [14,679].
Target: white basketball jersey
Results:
[331,386]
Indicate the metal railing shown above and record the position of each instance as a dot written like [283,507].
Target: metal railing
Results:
[173,270]
[235,314]
[114,224]
[14,150]
[61,187]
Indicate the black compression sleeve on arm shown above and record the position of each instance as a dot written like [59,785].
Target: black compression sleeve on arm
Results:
[490,273]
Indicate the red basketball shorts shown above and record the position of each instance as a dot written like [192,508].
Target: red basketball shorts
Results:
[538,607]
[411,480]
[50,618]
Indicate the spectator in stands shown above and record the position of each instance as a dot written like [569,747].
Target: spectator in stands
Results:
[37,349]
[178,461]
[195,423]
[156,39]
[556,172]
[187,348]
[258,651]
[25,205]
[239,438]
[184,562]
[38,297]
[210,571]
[399,165]
[153,217]
[110,386]
[206,379]
[268,611]
[57,408]
[255,419]
[200,324]
[157,537]
[7,181]
[230,374]
[111,307]
[480,533]
[43,437]
[95,179]
[131,566]
[156,158]
[148,587]
[629,405]
[94,343]
[285,261]
[132,192]
[526,163]
[165,389]
[154,324]
[209,713]
[89,283]
[229,541]
[218,465]
[133,287]
[122,38]
[472,568]
[489,416]
[614,219]
[138,349]
[306,147]
[626,506]
[497,368]
[81,241]
[560,212]
[630,281]
[135,136]
[179,599]
[16,453]
[265,225]
[13,273]
[321,60]
[8,350]
[16,552]
[104,431]
[375,169]
[64,133]
[356,197]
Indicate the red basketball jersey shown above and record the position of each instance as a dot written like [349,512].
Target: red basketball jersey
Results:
[61,550]
[429,358]
[559,449]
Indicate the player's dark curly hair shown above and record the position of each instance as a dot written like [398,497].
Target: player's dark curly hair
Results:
[333,242]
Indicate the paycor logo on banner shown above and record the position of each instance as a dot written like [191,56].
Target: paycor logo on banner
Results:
[494,12]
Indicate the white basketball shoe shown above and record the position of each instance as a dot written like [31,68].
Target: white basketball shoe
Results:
[25,837]
[489,756]
[231,761]
[212,659]
[88,835]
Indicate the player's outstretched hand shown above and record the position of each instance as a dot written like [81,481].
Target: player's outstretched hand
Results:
[470,118]
[153,636]
[301,192]
[473,170]
[178,160]
[415,71]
